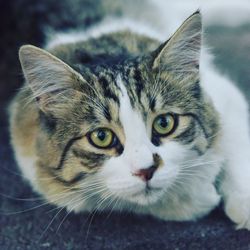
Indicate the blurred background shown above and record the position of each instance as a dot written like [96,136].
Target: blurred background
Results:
[27,22]
[28,224]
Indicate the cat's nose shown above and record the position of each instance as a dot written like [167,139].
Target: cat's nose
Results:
[146,174]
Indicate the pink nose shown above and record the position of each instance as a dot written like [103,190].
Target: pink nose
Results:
[146,174]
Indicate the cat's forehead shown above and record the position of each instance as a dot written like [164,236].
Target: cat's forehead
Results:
[134,76]
[148,93]
[104,95]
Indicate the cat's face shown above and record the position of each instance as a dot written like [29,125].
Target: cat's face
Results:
[126,132]
[158,141]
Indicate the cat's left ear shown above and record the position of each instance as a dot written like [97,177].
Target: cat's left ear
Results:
[53,83]
[181,53]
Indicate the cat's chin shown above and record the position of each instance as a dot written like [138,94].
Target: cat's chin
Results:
[146,196]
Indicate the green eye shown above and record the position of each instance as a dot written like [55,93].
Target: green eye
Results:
[164,124]
[101,137]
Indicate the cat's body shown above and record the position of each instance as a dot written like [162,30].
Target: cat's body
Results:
[124,82]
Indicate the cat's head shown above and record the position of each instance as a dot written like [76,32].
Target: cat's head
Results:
[126,130]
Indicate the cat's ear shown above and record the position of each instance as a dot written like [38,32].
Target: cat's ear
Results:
[182,51]
[51,80]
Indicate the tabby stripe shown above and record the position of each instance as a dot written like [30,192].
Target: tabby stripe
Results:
[199,122]
[78,177]
[188,135]
[195,89]
[107,114]
[152,103]
[139,85]
[65,151]
[89,159]
[108,93]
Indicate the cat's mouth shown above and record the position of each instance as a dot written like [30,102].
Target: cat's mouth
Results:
[148,190]
[140,193]
[147,195]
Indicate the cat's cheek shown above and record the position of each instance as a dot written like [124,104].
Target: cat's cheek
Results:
[174,152]
[118,179]
[174,156]
[165,177]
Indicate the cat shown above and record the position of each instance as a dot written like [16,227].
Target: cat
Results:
[123,121]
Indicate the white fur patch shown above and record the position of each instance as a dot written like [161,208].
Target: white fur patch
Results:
[138,149]
[27,166]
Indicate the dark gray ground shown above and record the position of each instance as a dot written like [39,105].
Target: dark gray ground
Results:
[22,226]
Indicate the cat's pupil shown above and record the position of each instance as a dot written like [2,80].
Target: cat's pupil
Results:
[163,122]
[101,135]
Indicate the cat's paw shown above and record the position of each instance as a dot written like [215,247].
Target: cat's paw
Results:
[237,208]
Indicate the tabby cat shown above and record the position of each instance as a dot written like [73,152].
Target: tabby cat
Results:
[123,121]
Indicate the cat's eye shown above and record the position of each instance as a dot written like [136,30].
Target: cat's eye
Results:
[164,124]
[102,138]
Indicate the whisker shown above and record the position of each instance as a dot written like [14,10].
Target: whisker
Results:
[24,177]
[113,201]
[58,197]
[102,200]
[48,226]
[187,166]
[76,202]
[20,199]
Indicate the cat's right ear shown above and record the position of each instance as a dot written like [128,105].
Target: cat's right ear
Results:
[181,53]
[53,82]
